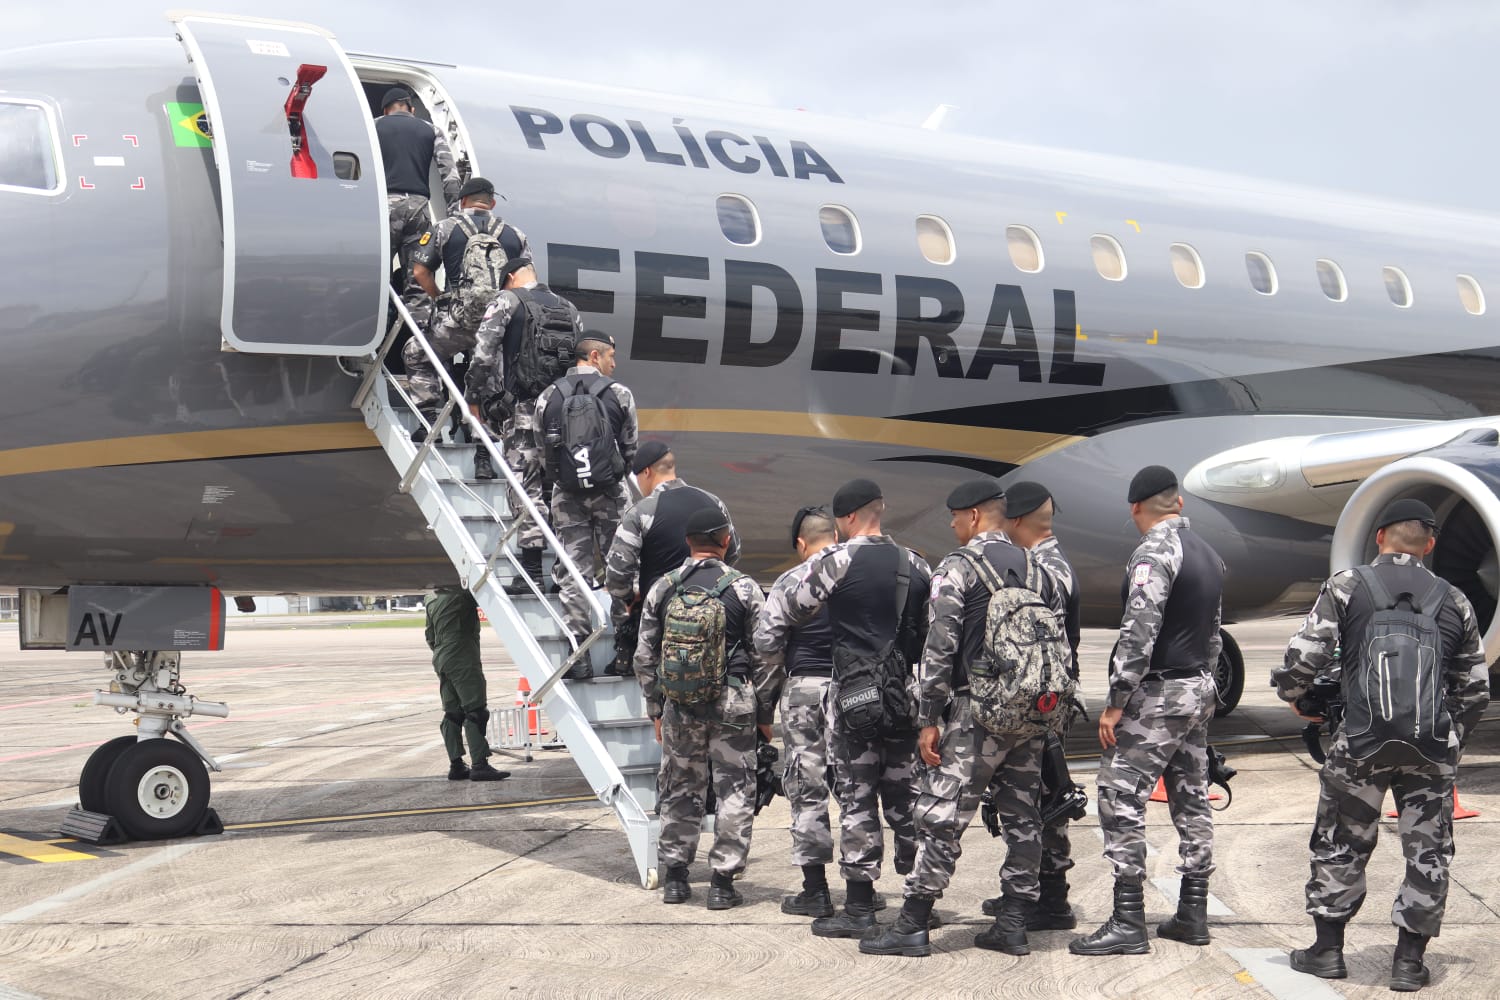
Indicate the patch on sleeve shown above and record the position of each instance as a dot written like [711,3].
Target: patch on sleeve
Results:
[426,239]
[1140,574]
[937,585]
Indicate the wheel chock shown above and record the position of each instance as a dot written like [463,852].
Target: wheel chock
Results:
[92,827]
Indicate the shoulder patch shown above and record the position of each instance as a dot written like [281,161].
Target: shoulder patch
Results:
[426,239]
[1141,574]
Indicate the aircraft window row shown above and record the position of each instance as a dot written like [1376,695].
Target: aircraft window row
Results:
[738,220]
[935,240]
[28,148]
[1331,280]
[840,230]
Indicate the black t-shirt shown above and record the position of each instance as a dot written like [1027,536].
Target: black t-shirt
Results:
[406,145]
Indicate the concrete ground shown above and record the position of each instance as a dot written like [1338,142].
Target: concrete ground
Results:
[354,869]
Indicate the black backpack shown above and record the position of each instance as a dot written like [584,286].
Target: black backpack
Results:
[870,691]
[586,457]
[546,350]
[1394,704]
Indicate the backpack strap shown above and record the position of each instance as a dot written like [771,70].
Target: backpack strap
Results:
[724,582]
[1379,594]
[599,388]
[903,586]
[983,567]
[1432,601]
[465,223]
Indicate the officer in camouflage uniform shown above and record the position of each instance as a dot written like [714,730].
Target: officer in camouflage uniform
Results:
[453,637]
[1352,790]
[804,721]
[856,581]
[962,756]
[585,522]
[1155,725]
[409,147]
[649,541]
[721,736]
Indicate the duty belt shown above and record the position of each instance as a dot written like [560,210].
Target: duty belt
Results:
[1179,673]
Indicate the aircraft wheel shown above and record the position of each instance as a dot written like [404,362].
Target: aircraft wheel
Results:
[158,789]
[651,877]
[93,780]
[1229,676]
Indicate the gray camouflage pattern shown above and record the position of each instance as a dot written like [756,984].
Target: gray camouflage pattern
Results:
[622,570]
[804,735]
[1057,847]
[693,746]
[585,526]
[524,455]
[487,368]
[407,215]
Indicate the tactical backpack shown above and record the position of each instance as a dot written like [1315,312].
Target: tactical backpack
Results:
[694,658]
[587,457]
[870,696]
[479,279]
[1024,685]
[1394,698]
[546,350]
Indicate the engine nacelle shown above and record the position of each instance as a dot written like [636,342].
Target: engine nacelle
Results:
[1460,481]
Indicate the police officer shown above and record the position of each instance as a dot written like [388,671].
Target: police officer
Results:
[858,581]
[408,147]
[496,394]
[588,493]
[962,756]
[804,721]
[449,333]
[1161,696]
[649,541]
[1353,788]
[720,735]
[453,637]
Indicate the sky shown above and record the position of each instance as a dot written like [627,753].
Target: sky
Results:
[1379,97]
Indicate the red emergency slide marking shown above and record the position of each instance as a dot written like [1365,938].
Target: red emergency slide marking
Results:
[139,185]
[78,139]
[132,140]
[302,161]
[85,184]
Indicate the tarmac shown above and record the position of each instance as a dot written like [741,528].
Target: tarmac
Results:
[353,868]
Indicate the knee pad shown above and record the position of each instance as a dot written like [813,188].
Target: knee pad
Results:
[457,718]
[478,716]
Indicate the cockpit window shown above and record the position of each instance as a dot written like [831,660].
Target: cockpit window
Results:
[28,148]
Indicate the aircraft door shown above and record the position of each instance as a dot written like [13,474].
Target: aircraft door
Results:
[306,244]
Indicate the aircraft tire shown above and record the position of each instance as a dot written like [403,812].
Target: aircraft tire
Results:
[1229,676]
[158,789]
[93,780]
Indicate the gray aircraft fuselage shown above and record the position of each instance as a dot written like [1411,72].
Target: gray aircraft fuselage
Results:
[134,449]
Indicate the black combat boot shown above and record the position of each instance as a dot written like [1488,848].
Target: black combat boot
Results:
[419,435]
[482,771]
[814,900]
[722,895]
[1408,974]
[858,916]
[907,936]
[676,888]
[531,566]
[1051,913]
[483,468]
[1008,932]
[458,770]
[1124,933]
[623,665]
[1325,959]
[1190,924]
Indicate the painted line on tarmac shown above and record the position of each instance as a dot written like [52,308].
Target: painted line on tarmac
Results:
[398,813]
[1170,886]
[12,993]
[84,888]
[1273,972]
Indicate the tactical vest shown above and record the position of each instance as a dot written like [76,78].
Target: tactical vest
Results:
[809,648]
[406,144]
[1187,626]
[859,607]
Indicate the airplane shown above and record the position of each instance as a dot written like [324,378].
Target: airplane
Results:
[798,300]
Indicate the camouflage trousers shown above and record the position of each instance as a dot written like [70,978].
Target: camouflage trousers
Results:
[1057,845]
[409,219]
[524,455]
[693,743]
[1163,734]
[804,734]
[585,524]
[449,339]
[1348,822]
[949,797]
[871,776]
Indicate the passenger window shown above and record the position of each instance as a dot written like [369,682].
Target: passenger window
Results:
[840,230]
[1187,266]
[1471,295]
[1025,248]
[28,148]
[346,166]
[935,239]
[738,221]
[1331,280]
[1262,272]
[1109,257]
[1396,286]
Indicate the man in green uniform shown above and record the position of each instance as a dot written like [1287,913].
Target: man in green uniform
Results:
[453,637]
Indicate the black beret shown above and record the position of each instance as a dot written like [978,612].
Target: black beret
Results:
[803,515]
[1024,497]
[393,95]
[649,453]
[1151,480]
[475,185]
[705,521]
[975,492]
[598,336]
[853,495]
[513,265]
[1406,510]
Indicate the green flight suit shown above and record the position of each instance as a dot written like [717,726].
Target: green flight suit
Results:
[453,636]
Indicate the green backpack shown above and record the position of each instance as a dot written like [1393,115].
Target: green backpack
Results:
[694,657]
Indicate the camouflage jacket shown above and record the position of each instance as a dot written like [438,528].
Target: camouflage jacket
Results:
[1049,556]
[622,568]
[824,571]
[648,646]
[486,376]
[953,584]
[1311,651]
[629,433]
[1151,573]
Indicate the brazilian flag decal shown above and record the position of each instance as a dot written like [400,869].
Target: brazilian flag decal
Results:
[189,124]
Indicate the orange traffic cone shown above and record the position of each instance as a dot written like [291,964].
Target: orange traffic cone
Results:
[523,700]
[1459,812]
[1160,794]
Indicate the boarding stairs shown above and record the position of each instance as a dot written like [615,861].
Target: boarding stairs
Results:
[603,721]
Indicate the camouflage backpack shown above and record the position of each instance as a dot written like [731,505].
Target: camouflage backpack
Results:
[694,658]
[1024,684]
[479,279]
